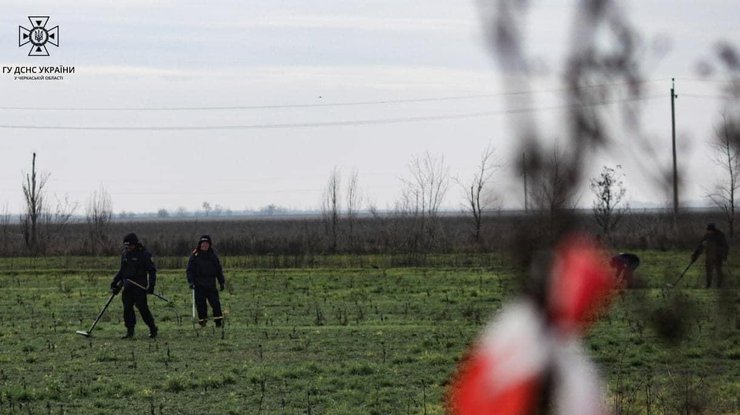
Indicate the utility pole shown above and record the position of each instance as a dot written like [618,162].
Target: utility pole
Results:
[675,168]
[524,170]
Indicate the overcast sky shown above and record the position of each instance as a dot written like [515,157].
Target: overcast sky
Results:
[249,103]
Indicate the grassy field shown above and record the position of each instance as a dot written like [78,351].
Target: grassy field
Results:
[337,340]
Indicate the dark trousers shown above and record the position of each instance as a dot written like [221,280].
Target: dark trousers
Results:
[714,267]
[211,295]
[133,296]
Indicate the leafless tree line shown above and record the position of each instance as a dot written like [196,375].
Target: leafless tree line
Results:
[727,158]
[383,233]
[416,226]
[417,210]
[604,59]
[340,218]
[98,215]
[42,224]
[422,194]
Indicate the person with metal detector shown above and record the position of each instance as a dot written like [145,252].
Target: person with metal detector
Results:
[136,277]
[715,249]
[625,265]
[204,269]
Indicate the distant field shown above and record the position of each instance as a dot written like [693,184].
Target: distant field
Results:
[335,339]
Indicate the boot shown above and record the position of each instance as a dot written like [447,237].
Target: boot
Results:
[219,321]
[203,322]
[153,332]
[129,333]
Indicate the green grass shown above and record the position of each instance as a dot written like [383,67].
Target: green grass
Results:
[65,264]
[331,340]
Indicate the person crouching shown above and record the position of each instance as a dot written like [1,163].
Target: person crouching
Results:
[204,268]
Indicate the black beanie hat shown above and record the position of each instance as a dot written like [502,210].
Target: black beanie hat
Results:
[205,238]
[130,239]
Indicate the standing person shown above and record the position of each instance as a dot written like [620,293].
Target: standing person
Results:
[715,249]
[136,277]
[204,268]
[625,265]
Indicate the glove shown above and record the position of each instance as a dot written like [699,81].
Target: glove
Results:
[115,288]
[151,289]
[693,257]
[221,286]
[192,285]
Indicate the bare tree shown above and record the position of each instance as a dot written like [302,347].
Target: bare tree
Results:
[608,207]
[422,196]
[353,203]
[602,50]
[553,182]
[476,199]
[330,209]
[271,209]
[5,230]
[727,157]
[34,194]
[55,222]
[98,215]
[206,207]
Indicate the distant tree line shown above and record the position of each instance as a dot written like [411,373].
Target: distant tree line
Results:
[389,233]
[415,227]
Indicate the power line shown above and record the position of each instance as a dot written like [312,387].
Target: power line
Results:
[708,96]
[714,81]
[319,105]
[379,121]
[257,107]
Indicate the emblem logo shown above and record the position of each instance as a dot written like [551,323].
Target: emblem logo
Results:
[38,36]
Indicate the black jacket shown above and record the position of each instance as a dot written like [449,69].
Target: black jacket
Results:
[625,261]
[137,269]
[714,246]
[204,268]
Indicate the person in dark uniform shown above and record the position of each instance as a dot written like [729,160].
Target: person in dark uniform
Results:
[204,269]
[625,265]
[715,249]
[137,277]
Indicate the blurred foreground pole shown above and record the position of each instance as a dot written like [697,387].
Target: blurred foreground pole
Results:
[524,171]
[675,168]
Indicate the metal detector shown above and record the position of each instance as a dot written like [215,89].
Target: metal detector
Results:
[161,297]
[669,285]
[192,320]
[223,322]
[193,291]
[105,307]
[170,304]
